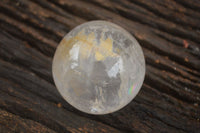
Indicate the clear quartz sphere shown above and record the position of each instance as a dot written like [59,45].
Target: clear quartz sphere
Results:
[98,67]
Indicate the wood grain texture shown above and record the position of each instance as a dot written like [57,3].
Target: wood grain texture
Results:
[168,31]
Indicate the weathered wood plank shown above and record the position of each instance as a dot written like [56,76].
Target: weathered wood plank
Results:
[168,32]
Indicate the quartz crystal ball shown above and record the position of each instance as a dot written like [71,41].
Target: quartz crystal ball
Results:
[98,67]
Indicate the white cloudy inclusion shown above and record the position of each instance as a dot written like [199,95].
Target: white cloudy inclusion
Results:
[98,67]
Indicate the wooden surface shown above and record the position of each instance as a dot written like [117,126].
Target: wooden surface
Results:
[168,31]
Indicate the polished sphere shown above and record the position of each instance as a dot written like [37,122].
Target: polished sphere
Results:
[98,67]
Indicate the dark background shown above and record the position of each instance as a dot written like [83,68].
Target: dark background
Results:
[168,31]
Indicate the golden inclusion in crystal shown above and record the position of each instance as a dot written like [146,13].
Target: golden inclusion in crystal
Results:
[102,50]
